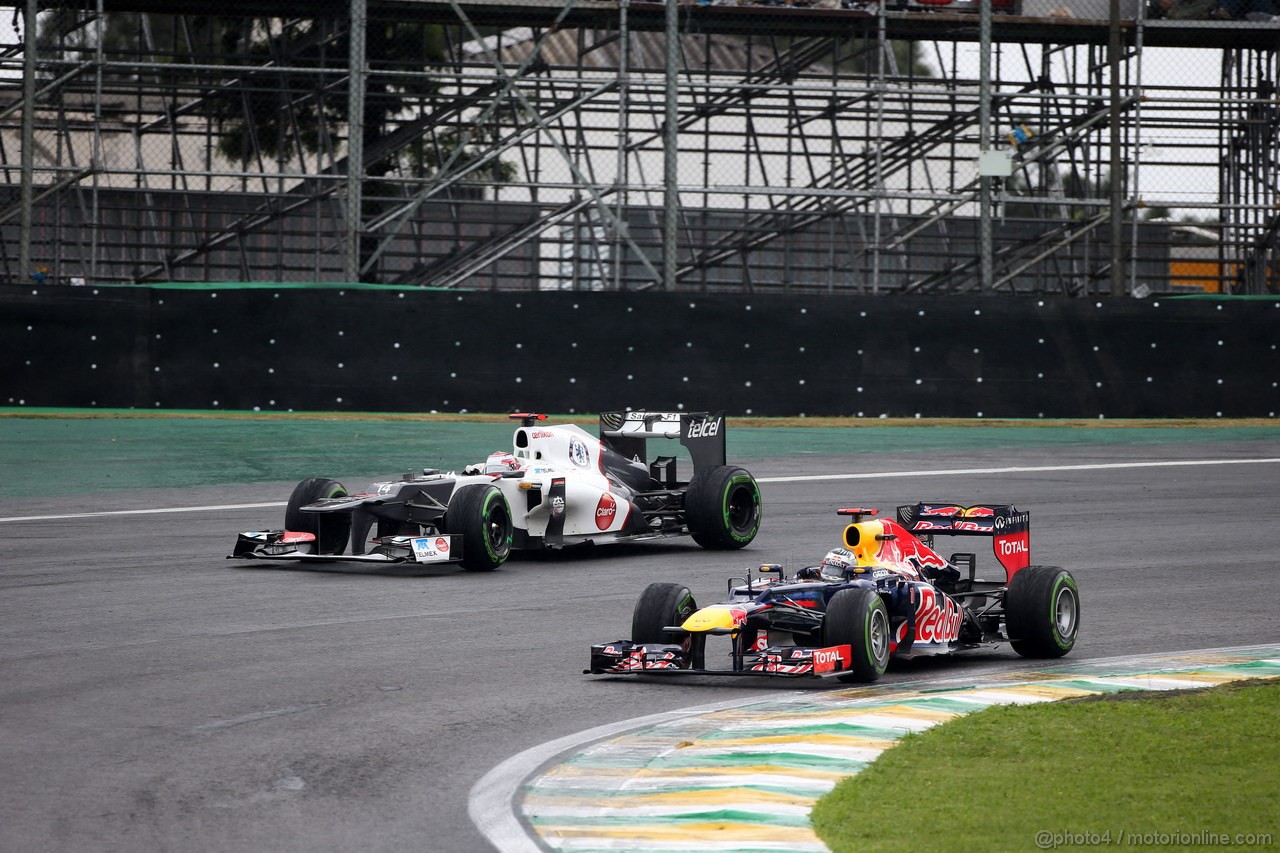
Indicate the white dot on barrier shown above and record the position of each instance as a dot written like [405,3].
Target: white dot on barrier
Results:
[396,345]
[801,381]
[919,381]
[216,365]
[453,376]
[748,383]
[339,365]
[572,380]
[518,380]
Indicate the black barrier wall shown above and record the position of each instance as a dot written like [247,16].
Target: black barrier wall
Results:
[377,349]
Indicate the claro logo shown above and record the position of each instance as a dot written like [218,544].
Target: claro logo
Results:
[606,510]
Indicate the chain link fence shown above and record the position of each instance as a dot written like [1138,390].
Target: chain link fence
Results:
[818,147]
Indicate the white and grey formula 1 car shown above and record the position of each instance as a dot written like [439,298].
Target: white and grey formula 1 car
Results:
[557,486]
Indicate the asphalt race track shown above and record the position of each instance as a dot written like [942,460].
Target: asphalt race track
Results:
[156,696]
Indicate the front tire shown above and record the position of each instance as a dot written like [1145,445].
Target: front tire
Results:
[722,507]
[663,605]
[857,617]
[1042,612]
[481,514]
[332,530]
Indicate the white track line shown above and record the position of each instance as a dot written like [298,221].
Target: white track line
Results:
[804,478]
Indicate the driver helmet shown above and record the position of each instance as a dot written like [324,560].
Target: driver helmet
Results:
[500,462]
[838,565]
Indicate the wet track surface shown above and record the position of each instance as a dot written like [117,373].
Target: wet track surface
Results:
[156,696]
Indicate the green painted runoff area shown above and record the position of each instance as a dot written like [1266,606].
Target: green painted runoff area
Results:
[51,456]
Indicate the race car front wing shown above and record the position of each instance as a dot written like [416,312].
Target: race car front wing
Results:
[623,657]
[291,545]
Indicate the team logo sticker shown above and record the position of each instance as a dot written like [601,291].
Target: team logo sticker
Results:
[578,453]
[606,510]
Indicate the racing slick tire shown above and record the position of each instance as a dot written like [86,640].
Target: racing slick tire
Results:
[1042,612]
[857,617]
[662,605]
[722,507]
[331,529]
[481,514]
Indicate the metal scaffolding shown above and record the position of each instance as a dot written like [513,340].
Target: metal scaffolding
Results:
[577,145]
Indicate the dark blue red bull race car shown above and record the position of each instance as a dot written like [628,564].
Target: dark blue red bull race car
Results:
[885,593]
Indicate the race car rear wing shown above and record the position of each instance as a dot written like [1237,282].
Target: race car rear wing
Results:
[701,433]
[1008,527]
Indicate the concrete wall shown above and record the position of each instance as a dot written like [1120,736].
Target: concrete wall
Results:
[381,349]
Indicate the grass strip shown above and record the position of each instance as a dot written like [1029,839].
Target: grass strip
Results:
[1185,770]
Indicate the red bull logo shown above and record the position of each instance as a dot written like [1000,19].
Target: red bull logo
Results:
[953,511]
[938,618]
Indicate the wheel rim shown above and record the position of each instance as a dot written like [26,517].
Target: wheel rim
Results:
[1065,612]
[879,638]
[740,508]
[496,530]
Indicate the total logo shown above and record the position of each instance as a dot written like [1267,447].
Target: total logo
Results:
[705,429]
[606,510]
[830,659]
[1009,547]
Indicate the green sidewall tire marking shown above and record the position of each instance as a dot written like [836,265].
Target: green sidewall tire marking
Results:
[484,515]
[729,488]
[1061,581]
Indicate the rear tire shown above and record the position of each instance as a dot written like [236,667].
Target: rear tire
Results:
[662,605]
[857,617]
[1042,612]
[331,529]
[722,507]
[480,513]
